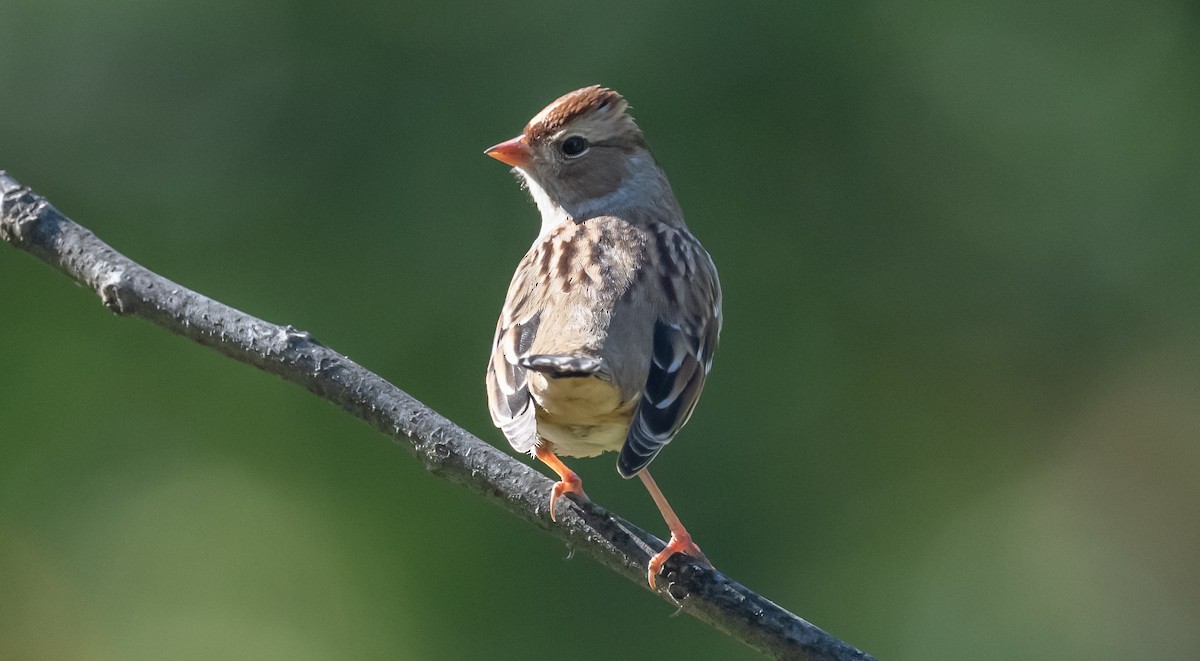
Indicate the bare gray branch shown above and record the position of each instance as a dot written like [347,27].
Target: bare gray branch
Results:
[30,223]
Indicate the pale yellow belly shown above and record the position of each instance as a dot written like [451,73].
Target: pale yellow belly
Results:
[580,417]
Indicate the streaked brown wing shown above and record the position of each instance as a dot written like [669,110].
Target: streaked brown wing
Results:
[685,338]
[509,402]
[507,388]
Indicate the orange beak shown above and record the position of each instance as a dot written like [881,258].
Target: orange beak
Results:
[513,152]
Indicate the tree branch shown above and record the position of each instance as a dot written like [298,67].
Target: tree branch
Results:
[30,223]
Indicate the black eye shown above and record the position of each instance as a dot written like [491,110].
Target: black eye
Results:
[574,146]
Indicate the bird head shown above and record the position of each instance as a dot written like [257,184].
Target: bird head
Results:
[584,154]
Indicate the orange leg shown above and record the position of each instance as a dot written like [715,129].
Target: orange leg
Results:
[681,541]
[568,481]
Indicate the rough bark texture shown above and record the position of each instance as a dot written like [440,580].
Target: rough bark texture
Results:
[30,223]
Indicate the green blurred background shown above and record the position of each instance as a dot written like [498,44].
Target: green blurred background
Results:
[955,410]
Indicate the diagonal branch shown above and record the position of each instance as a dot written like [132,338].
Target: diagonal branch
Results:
[30,223]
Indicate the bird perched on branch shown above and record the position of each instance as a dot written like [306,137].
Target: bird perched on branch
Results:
[612,317]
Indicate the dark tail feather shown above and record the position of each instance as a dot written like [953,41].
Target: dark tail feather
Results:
[563,366]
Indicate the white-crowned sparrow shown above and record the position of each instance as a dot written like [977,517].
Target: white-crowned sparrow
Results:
[611,320]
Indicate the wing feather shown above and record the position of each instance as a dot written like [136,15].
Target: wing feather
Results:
[685,337]
[511,407]
[509,402]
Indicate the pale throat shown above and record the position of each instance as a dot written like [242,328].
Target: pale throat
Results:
[553,215]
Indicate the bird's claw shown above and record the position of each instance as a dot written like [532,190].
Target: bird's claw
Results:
[680,543]
[569,484]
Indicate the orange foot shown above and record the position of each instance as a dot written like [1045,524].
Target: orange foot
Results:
[568,482]
[680,543]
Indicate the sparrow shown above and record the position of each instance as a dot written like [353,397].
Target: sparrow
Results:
[611,319]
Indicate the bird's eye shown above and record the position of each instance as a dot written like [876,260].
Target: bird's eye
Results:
[574,146]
